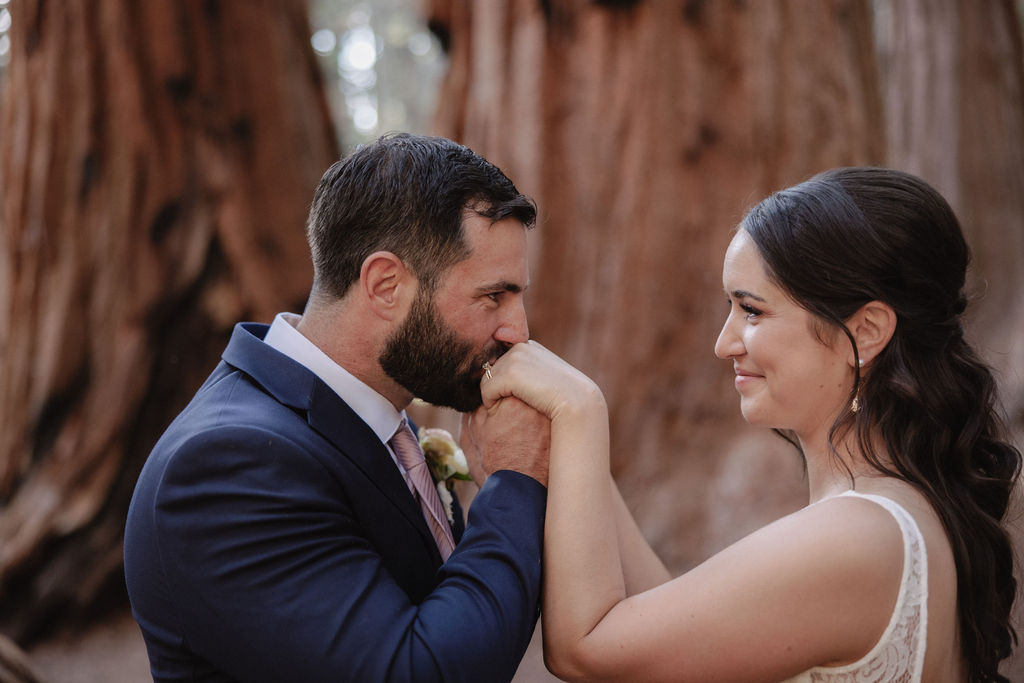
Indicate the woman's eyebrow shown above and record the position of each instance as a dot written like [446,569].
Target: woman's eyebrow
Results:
[744,294]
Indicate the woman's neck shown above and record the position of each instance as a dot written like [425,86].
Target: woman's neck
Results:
[829,472]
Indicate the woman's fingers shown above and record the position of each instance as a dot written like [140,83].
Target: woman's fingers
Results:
[517,373]
[536,377]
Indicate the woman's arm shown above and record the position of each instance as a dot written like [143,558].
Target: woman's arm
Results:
[583,572]
[817,587]
[583,521]
[642,569]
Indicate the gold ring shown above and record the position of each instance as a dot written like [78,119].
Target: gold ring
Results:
[487,370]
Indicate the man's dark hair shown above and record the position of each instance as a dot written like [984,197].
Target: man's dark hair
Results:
[406,194]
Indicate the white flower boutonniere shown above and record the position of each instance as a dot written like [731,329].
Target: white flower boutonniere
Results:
[447,463]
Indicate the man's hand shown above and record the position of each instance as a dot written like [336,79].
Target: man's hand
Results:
[509,436]
[467,441]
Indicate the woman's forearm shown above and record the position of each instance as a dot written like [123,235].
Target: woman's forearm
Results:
[642,569]
[583,576]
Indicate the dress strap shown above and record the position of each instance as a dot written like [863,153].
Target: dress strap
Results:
[906,634]
[899,653]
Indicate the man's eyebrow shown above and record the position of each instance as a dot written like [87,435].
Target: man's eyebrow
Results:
[744,294]
[501,286]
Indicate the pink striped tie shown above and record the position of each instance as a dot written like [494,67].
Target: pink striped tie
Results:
[407,448]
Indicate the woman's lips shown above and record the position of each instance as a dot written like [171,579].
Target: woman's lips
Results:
[744,377]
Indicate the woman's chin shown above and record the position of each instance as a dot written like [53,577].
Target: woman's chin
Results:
[755,417]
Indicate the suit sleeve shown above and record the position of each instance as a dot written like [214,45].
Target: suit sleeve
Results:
[275,582]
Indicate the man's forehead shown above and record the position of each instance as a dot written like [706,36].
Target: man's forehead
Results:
[496,257]
[480,225]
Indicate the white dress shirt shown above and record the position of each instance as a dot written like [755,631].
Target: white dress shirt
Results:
[375,410]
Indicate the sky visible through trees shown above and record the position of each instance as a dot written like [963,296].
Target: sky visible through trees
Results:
[5,38]
[382,67]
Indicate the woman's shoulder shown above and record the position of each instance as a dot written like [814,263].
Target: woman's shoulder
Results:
[848,554]
[840,541]
[858,528]
[822,581]
[860,541]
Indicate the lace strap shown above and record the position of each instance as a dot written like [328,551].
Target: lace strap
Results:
[898,655]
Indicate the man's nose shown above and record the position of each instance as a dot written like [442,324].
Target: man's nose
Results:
[513,328]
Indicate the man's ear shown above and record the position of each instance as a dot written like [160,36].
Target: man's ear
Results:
[872,326]
[386,285]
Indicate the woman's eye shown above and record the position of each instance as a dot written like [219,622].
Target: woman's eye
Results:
[750,311]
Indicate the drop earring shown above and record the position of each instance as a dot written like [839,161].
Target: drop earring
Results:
[855,403]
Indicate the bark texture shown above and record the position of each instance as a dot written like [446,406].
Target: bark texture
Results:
[157,163]
[644,130]
[954,92]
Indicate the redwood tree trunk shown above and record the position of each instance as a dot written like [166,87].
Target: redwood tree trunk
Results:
[955,115]
[644,130]
[157,162]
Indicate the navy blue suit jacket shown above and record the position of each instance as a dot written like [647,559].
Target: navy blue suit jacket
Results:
[272,538]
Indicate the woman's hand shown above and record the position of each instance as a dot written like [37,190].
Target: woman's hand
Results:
[543,381]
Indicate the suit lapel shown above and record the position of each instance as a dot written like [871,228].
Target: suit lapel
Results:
[339,424]
[294,385]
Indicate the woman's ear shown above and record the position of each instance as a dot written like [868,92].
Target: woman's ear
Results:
[872,326]
[386,285]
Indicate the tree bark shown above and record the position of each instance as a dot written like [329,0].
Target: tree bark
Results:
[157,164]
[955,116]
[644,130]
[954,86]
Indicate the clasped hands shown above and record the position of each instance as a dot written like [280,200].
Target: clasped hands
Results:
[523,392]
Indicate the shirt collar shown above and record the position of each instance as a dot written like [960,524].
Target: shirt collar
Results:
[375,410]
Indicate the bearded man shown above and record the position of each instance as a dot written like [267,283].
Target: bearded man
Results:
[285,526]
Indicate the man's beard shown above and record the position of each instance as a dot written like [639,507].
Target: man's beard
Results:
[429,359]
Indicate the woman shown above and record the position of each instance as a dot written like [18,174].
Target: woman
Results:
[845,294]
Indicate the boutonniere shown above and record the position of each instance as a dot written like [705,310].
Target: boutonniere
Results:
[447,463]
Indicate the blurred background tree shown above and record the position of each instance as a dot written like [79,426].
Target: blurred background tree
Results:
[157,165]
[158,160]
[645,129]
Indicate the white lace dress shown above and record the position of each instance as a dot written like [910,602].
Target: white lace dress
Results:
[898,657]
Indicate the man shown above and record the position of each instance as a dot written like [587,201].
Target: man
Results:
[279,531]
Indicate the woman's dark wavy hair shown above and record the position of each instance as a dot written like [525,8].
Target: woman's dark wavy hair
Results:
[853,235]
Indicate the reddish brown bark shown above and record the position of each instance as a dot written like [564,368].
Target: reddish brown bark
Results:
[954,87]
[955,116]
[644,129]
[157,163]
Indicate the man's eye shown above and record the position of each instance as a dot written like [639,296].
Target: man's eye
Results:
[493,296]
